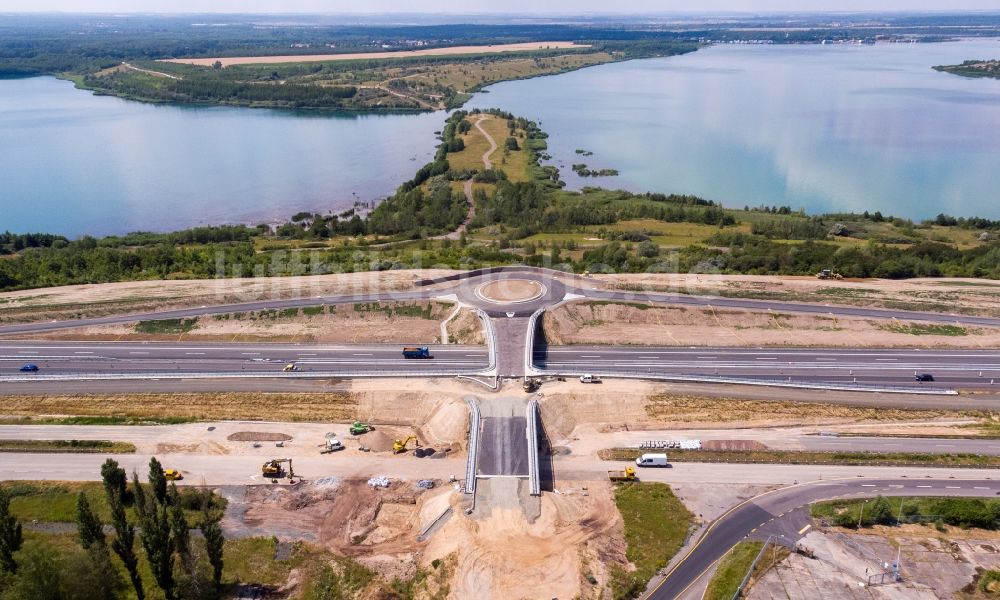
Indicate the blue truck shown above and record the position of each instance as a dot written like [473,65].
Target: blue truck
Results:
[416,352]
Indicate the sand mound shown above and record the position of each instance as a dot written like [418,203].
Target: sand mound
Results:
[448,424]
[258,436]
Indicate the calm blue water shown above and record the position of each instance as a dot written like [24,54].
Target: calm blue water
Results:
[827,128]
[75,163]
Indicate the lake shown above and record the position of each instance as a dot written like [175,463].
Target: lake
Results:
[75,163]
[825,128]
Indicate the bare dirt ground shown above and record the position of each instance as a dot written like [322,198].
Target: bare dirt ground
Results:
[569,409]
[586,322]
[934,564]
[466,328]
[390,322]
[969,296]
[510,290]
[78,301]
[450,51]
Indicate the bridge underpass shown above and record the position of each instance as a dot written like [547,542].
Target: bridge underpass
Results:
[505,457]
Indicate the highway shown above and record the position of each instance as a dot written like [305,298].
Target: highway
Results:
[742,520]
[130,358]
[950,368]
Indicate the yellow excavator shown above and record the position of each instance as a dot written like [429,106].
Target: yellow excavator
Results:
[400,445]
[272,469]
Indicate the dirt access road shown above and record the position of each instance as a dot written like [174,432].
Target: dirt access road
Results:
[467,187]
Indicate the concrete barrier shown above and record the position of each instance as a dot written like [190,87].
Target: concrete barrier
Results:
[534,478]
[470,467]
[529,344]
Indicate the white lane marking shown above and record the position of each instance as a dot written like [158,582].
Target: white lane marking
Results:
[707,357]
[195,353]
[138,352]
[827,359]
[477,355]
[766,358]
[867,485]
[886,359]
[952,487]
[27,352]
[896,486]
[590,356]
[978,487]
[249,353]
[83,353]
[356,354]
[300,354]
[804,529]
[924,486]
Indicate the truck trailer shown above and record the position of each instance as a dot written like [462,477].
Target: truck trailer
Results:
[416,352]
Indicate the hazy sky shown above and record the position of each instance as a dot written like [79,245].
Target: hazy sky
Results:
[490,6]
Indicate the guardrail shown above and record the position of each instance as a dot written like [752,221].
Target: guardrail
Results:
[534,478]
[470,467]
[753,565]
[845,387]
[529,343]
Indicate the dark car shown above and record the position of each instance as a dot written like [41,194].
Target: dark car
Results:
[29,368]
[924,377]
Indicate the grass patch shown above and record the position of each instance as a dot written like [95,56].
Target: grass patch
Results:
[656,526]
[980,513]
[731,571]
[429,311]
[312,311]
[925,329]
[172,326]
[55,501]
[95,420]
[797,457]
[635,305]
[188,407]
[67,446]
[672,408]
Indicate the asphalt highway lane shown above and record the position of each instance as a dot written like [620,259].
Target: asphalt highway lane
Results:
[67,358]
[950,368]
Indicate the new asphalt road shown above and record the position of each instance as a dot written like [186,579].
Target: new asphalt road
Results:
[745,518]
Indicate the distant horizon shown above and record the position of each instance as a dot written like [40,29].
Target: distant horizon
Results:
[514,15]
[509,8]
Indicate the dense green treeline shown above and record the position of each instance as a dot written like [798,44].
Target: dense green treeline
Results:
[142,86]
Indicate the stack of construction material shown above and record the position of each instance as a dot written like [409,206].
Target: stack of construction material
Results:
[379,482]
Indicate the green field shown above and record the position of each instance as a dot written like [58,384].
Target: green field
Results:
[656,526]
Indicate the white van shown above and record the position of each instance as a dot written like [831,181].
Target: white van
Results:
[652,460]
